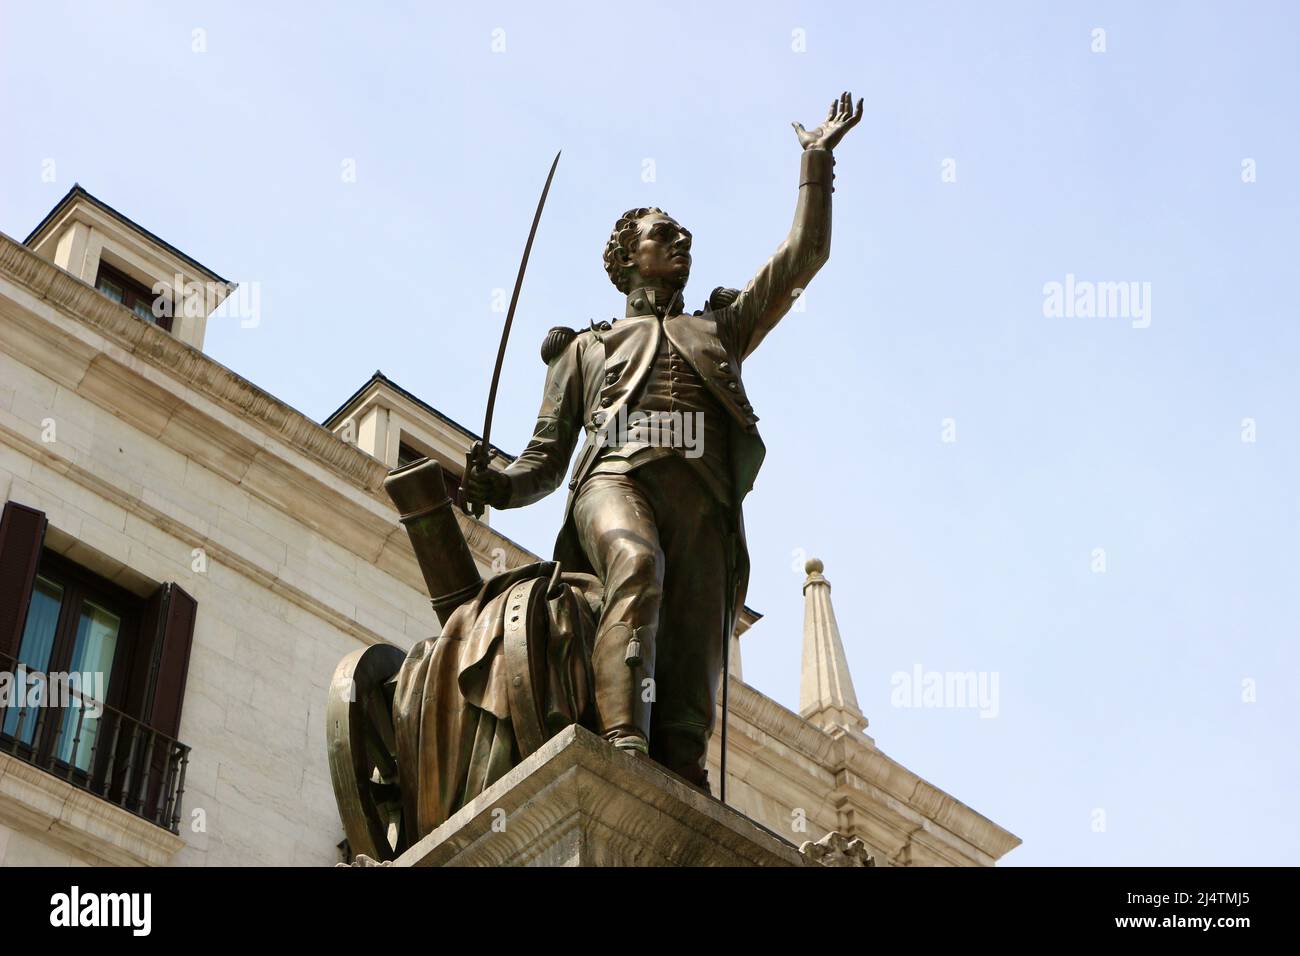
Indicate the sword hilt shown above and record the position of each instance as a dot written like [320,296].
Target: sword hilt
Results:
[475,460]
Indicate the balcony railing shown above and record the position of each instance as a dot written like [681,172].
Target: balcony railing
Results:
[91,745]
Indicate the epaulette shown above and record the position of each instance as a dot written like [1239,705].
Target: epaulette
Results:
[556,341]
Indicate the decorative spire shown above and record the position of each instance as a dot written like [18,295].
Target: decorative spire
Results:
[826,696]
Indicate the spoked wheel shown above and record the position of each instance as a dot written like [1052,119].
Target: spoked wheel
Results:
[363,751]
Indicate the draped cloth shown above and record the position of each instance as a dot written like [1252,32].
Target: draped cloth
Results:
[451,706]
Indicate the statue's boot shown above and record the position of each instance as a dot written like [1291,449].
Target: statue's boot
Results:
[623,668]
[683,750]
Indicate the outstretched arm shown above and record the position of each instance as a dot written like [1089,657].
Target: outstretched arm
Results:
[783,277]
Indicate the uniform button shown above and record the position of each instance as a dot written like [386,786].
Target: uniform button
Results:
[573,483]
[606,402]
[611,378]
[724,366]
[733,386]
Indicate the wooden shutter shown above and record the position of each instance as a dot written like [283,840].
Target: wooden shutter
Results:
[140,678]
[176,634]
[155,692]
[22,533]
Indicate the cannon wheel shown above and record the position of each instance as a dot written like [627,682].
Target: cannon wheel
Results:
[363,751]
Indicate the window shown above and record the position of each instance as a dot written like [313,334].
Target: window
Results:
[93,676]
[77,624]
[406,455]
[136,296]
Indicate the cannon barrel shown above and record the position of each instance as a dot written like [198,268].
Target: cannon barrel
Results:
[427,511]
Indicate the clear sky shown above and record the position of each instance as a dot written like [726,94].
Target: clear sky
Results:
[1119,691]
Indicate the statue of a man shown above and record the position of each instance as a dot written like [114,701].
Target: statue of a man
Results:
[671,450]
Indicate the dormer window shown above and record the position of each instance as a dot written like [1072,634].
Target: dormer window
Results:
[125,262]
[136,296]
[388,422]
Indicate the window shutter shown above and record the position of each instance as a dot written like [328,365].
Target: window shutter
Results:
[156,685]
[135,700]
[155,692]
[22,533]
[173,660]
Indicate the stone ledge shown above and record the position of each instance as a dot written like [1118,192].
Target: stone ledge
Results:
[90,827]
[579,802]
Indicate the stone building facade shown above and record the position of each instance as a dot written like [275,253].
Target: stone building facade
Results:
[211,554]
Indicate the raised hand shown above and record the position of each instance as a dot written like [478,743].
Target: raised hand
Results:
[841,118]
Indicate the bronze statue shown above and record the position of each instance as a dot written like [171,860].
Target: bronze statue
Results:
[626,630]
[662,530]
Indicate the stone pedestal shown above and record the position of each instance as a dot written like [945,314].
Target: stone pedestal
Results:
[579,802]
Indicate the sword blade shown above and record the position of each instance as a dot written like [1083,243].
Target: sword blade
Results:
[486,442]
[514,302]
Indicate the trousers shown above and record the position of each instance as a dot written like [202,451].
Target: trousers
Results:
[662,545]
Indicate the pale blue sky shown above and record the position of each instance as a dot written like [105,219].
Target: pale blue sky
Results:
[1119,691]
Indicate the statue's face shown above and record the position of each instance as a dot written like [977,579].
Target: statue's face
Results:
[663,252]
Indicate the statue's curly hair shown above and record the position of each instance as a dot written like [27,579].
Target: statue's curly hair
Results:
[624,238]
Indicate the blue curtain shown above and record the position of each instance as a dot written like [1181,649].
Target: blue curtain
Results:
[34,653]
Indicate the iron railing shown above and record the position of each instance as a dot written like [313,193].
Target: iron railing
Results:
[94,747]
